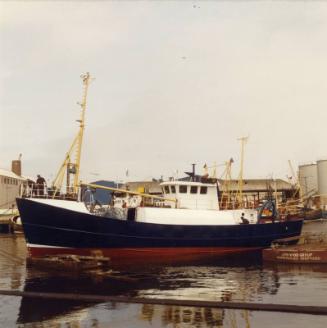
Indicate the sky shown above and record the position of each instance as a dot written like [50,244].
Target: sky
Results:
[175,83]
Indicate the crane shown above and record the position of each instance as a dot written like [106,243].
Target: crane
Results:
[227,176]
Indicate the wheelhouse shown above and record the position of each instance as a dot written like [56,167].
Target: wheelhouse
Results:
[191,195]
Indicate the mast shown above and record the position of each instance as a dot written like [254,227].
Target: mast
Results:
[86,81]
[240,178]
[69,166]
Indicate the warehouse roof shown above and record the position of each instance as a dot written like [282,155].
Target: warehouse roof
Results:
[259,184]
[10,174]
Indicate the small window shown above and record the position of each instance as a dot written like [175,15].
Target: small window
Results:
[167,189]
[203,190]
[194,189]
[173,189]
[183,189]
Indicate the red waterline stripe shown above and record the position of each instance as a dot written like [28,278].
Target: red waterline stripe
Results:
[143,253]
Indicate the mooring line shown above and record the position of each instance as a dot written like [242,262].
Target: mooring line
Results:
[301,309]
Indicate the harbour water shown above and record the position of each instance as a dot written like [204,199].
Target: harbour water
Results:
[244,279]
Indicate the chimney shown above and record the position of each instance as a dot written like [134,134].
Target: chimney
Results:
[16,166]
[193,172]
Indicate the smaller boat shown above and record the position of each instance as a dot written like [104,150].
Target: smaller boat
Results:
[16,224]
[306,253]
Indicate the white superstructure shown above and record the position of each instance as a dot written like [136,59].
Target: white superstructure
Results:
[196,204]
[187,203]
[191,195]
[194,217]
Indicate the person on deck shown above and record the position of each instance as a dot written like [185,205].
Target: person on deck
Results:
[244,220]
[40,185]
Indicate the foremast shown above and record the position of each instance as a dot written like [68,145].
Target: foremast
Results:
[71,164]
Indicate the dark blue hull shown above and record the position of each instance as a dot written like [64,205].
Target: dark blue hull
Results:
[53,227]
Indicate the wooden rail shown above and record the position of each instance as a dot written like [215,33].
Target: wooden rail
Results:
[302,309]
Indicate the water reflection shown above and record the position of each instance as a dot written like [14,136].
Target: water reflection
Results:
[221,283]
[12,262]
[296,268]
[237,279]
[42,311]
[97,283]
[174,316]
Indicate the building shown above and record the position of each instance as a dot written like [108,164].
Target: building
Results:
[11,186]
[147,187]
[254,191]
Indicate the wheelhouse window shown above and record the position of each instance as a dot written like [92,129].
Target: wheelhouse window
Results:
[183,189]
[167,190]
[194,189]
[173,189]
[203,190]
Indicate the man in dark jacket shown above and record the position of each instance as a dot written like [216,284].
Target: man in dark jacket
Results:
[40,185]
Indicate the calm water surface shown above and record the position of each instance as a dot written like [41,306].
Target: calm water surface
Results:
[239,279]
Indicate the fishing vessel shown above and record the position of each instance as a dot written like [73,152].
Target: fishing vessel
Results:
[187,223]
[190,224]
